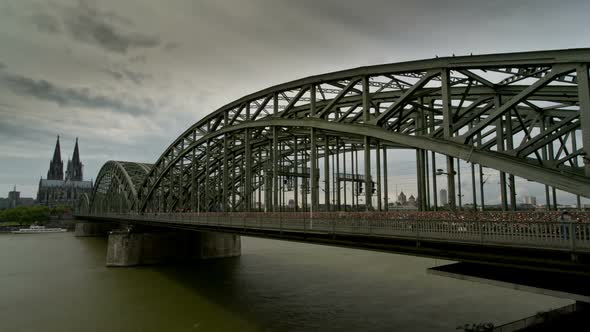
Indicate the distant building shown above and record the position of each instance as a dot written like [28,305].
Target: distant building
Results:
[401,198]
[13,198]
[412,200]
[443,197]
[533,201]
[55,190]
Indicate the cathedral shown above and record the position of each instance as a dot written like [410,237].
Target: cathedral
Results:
[55,190]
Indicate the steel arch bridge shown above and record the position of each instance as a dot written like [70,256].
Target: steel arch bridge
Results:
[523,114]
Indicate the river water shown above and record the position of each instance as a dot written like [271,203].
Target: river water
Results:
[56,282]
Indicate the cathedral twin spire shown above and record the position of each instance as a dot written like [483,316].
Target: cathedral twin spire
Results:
[56,165]
[74,167]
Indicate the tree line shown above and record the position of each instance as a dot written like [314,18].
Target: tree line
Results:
[30,214]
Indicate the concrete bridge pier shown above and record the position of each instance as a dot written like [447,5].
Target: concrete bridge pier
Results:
[86,228]
[131,249]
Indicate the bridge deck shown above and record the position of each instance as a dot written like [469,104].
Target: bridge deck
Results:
[541,245]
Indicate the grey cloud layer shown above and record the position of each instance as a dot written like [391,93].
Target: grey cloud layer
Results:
[64,96]
[89,25]
[125,74]
[46,23]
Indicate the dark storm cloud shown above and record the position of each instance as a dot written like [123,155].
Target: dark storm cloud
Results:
[64,96]
[22,131]
[105,30]
[46,23]
[125,74]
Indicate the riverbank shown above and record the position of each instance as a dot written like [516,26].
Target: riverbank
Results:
[68,223]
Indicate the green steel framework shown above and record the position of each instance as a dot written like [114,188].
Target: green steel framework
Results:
[523,114]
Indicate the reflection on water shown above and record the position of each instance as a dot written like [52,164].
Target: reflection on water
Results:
[56,282]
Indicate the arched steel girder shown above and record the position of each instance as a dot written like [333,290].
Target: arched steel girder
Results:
[564,95]
[562,179]
[83,204]
[127,177]
[217,164]
[531,97]
[216,160]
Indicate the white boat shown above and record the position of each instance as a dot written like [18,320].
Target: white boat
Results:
[39,229]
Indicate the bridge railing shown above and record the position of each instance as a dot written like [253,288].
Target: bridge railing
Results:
[571,236]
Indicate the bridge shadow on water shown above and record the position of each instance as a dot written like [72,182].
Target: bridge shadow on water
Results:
[234,285]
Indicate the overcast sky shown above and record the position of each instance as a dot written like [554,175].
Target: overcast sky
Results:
[127,77]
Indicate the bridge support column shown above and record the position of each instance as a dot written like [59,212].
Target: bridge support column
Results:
[131,249]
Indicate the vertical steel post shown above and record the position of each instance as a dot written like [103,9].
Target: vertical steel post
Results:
[356,170]
[459,195]
[313,173]
[193,181]
[333,182]
[378,165]
[448,132]
[385,185]
[344,177]
[584,99]
[473,186]
[225,189]
[207,188]
[327,173]
[275,160]
[419,178]
[427,178]
[180,199]
[248,171]
[170,188]
[336,173]
[500,146]
[297,171]
[574,149]
[544,155]
[275,168]
[259,183]
[434,183]
[367,165]
[510,146]
[233,182]
[313,153]
[433,157]
[367,142]
[481,179]
[268,178]
[306,184]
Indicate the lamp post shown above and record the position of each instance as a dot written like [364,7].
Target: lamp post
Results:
[482,181]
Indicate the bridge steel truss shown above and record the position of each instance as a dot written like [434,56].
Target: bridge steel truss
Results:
[522,114]
[115,189]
